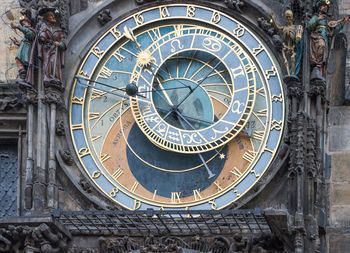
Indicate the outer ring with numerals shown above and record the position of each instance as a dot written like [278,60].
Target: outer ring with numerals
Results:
[243,159]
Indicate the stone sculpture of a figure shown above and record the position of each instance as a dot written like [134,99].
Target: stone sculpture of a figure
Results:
[292,43]
[51,47]
[322,29]
[25,26]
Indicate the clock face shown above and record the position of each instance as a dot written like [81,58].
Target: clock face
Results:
[205,123]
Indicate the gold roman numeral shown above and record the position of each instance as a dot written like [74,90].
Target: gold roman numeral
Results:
[104,157]
[97,94]
[258,135]
[197,195]
[175,197]
[134,186]
[117,173]
[249,156]
[105,73]
[236,172]
[94,115]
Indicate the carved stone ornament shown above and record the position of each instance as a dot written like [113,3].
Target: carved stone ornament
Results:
[235,4]
[60,128]
[11,101]
[104,16]
[66,157]
[85,185]
[218,244]
[39,239]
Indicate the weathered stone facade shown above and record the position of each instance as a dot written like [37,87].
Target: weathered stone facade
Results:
[305,195]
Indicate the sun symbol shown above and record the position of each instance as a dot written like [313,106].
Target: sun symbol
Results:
[144,58]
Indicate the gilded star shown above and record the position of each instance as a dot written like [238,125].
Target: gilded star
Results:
[222,156]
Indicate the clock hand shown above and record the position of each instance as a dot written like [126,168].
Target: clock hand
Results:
[210,173]
[188,117]
[109,92]
[199,83]
[120,89]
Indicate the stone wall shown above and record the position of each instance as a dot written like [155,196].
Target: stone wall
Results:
[344,9]
[8,69]
[339,162]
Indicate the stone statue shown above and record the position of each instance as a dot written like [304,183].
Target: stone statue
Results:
[25,26]
[321,29]
[51,47]
[292,43]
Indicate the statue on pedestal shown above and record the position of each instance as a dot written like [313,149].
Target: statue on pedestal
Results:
[51,47]
[25,26]
[322,29]
[292,43]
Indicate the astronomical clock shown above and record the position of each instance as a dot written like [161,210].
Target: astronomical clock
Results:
[177,106]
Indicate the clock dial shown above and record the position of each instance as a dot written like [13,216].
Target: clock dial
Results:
[206,122]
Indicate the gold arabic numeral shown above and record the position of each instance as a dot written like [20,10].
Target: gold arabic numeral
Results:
[277,125]
[77,126]
[238,194]
[134,187]
[164,12]
[98,52]
[258,135]
[118,56]
[97,94]
[218,186]
[213,204]
[191,11]
[104,157]
[249,156]
[83,73]
[277,98]
[139,19]
[236,172]
[239,31]
[179,30]
[95,137]
[137,204]
[257,175]
[116,33]
[216,17]
[117,173]
[197,194]
[105,73]
[175,197]
[78,101]
[114,192]
[96,174]
[258,50]
[270,72]
[83,152]
[94,115]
